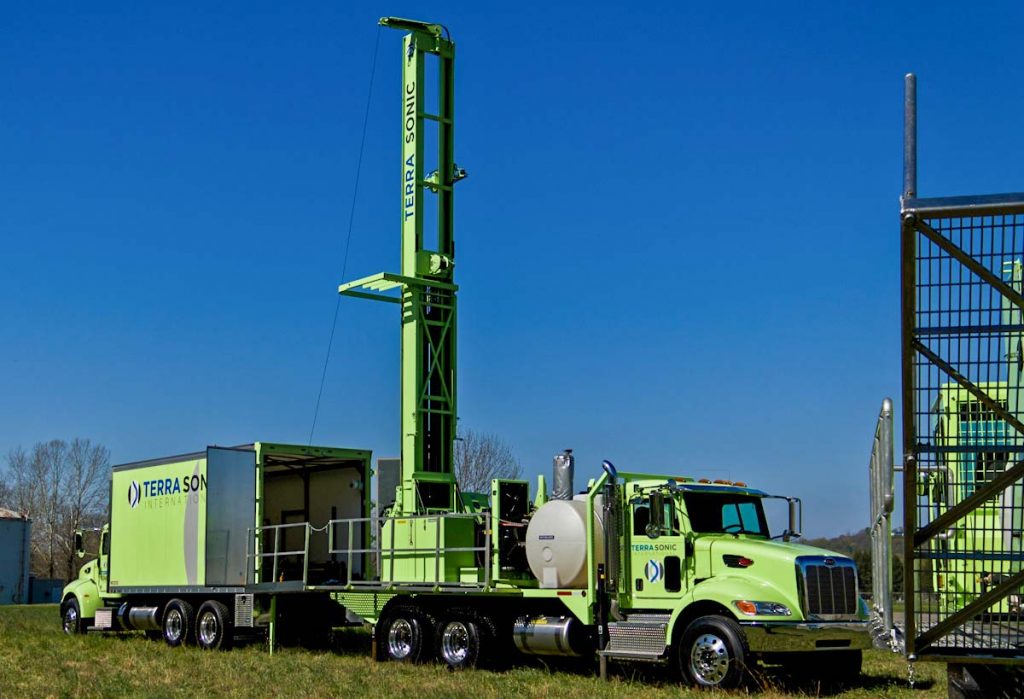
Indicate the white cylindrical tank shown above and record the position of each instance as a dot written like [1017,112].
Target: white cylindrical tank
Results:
[556,543]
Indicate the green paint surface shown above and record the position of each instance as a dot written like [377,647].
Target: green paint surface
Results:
[158,525]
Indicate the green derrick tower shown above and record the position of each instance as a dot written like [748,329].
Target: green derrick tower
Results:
[425,288]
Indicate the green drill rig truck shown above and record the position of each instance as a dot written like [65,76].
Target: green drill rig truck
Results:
[634,567]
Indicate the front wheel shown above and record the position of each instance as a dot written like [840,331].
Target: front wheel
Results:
[71,617]
[712,653]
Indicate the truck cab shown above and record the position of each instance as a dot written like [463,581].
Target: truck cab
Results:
[705,583]
[82,596]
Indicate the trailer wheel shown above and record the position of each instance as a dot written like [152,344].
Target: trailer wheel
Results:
[713,653]
[405,634]
[178,623]
[71,617]
[464,640]
[213,626]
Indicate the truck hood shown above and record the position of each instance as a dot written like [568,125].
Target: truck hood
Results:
[714,547]
[767,569]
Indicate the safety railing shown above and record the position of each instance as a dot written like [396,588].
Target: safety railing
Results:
[388,554]
[256,539]
[384,562]
[882,499]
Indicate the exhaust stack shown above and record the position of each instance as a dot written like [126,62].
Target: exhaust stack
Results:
[561,483]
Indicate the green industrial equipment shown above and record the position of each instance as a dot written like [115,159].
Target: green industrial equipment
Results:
[634,567]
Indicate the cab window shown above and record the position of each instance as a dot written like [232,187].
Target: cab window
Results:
[641,518]
[735,513]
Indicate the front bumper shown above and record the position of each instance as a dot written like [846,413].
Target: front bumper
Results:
[789,636]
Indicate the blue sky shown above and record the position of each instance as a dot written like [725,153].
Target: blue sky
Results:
[677,246]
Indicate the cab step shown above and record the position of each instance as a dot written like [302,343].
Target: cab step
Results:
[639,637]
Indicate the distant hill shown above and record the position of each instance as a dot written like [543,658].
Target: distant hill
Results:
[855,542]
[857,545]
[844,543]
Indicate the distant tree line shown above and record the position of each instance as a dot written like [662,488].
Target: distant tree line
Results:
[61,486]
[857,545]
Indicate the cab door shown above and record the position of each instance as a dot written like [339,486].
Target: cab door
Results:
[103,562]
[657,550]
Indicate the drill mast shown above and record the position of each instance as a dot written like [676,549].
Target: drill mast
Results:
[425,289]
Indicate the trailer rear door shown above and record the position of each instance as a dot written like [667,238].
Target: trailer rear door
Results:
[230,512]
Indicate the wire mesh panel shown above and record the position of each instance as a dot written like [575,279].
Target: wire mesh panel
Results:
[963,357]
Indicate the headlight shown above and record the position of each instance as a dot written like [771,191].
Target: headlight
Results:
[751,608]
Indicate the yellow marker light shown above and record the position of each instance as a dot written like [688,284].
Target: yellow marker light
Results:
[748,608]
[751,608]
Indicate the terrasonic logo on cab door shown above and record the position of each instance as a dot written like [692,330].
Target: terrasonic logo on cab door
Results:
[655,547]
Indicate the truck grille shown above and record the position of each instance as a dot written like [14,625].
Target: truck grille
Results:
[828,586]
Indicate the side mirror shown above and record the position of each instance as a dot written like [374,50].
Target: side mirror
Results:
[79,543]
[657,524]
[796,518]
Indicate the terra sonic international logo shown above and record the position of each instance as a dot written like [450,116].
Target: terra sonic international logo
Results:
[653,571]
[134,493]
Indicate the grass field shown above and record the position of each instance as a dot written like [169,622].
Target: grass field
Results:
[37,660]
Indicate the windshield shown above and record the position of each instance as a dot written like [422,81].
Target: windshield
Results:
[726,512]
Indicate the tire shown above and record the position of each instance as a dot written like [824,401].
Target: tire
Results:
[178,623]
[713,653]
[405,635]
[464,640]
[71,617]
[214,626]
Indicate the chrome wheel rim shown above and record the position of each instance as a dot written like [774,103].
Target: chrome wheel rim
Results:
[208,628]
[455,643]
[400,639]
[70,619]
[172,625]
[709,659]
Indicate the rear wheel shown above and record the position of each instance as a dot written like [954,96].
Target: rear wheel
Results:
[213,626]
[405,635]
[177,622]
[464,640]
[71,617]
[712,653]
